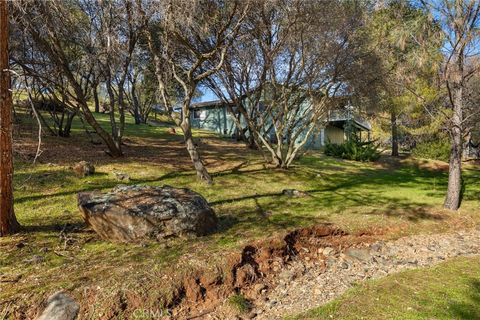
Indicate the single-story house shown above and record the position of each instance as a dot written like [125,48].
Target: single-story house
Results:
[215,116]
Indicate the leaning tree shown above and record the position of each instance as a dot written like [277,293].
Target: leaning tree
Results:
[61,34]
[188,41]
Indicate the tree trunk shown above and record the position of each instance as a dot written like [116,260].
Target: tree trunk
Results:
[453,198]
[115,132]
[68,125]
[8,221]
[202,172]
[393,119]
[136,104]
[121,112]
[95,97]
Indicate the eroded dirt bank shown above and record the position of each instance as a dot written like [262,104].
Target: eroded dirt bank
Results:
[276,277]
[304,284]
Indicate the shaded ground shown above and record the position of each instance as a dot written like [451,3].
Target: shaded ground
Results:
[56,250]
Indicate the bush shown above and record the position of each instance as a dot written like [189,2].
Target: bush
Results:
[239,303]
[353,149]
[436,150]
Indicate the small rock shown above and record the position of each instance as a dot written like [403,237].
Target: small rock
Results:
[36,259]
[327,251]
[83,169]
[330,262]
[295,193]
[377,246]
[60,306]
[20,245]
[271,303]
[344,265]
[288,275]
[259,287]
[121,176]
[359,254]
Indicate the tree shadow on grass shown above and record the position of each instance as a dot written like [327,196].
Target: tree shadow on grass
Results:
[361,192]
[470,309]
[69,227]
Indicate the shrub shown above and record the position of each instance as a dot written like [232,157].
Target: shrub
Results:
[436,150]
[353,149]
[239,303]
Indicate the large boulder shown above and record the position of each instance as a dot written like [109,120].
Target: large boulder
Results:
[130,213]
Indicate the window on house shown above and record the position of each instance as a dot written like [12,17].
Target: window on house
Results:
[199,114]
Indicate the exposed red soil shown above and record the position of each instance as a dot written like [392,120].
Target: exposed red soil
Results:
[201,291]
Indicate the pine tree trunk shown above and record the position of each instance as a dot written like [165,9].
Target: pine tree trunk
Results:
[8,221]
[394,134]
[453,198]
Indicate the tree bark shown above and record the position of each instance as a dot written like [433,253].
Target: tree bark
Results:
[393,120]
[136,103]
[453,198]
[95,97]
[202,172]
[68,125]
[115,132]
[8,221]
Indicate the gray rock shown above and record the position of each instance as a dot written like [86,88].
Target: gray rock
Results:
[359,254]
[377,246]
[121,176]
[295,193]
[132,213]
[60,306]
[330,262]
[36,259]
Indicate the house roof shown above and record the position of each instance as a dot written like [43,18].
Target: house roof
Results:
[203,104]
[362,125]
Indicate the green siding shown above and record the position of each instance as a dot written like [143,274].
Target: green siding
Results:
[214,119]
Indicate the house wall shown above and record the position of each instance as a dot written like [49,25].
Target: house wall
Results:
[214,119]
[334,135]
[219,120]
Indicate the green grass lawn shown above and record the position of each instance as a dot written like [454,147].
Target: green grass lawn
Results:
[391,198]
[450,290]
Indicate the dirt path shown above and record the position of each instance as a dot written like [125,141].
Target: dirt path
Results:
[304,286]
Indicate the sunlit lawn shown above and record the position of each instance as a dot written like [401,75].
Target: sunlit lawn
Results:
[391,198]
